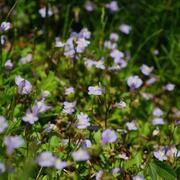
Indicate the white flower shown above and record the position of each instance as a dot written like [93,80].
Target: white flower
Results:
[82,43]
[131,126]
[120,104]
[169,87]
[113,6]
[116,55]
[26,59]
[99,175]
[42,12]
[81,155]
[58,164]
[138,177]
[134,82]
[146,70]
[124,28]
[3,124]
[5,26]
[95,90]
[83,121]
[123,156]
[46,159]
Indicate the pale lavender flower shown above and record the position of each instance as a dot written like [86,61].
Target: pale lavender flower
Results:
[59,43]
[69,49]
[158,121]
[123,155]
[46,159]
[82,43]
[24,86]
[2,167]
[134,82]
[98,64]
[95,90]
[86,143]
[116,171]
[99,175]
[26,59]
[108,136]
[80,155]
[69,90]
[84,33]
[138,177]
[131,126]
[114,37]
[89,6]
[151,81]
[3,40]
[169,87]
[83,121]
[12,143]
[146,70]
[112,6]
[40,107]
[156,52]
[157,112]
[116,55]
[3,124]
[8,65]
[58,164]
[5,26]
[110,45]
[146,96]
[69,107]
[30,117]
[160,154]
[121,104]
[124,28]
[45,94]
[172,152]
[42,12]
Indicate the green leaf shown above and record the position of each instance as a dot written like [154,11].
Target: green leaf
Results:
[158,168]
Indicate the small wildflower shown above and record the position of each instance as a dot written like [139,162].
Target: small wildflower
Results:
[3,124]
[8,65]
[108,136]
[95,90]
[42,12]
[158,121]
[169,87]
[114,37]
[24,86]
[30,117]
[26,59]
[69,107]
[120,104]
[160,154]
[2,168]
[69,90]
[112,6]
[81,155]
[99,175]
[138,177]
[89,6]
[134,82]
[151,81]
[131,126]
[116,55]
[12,143]
[58,164]
[157,112]
[124,28]
[83,121]
[146,70]
[46,159]
[5,26]
[123,156]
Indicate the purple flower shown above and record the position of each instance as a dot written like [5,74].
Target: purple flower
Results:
[86,143]
[8,65]
[160,154]
[146,70]
[138,177]
[95,90]
[89,6]
[82,43]
[124,28]
[30,117]
[81,155]
[13,142]
[134,82]
[158,121]
[69,107]
[117,55]
[108,136]
[40,107]
[151,81]
[83,121]
[121,104]
[84,33]
[69,90]
[58,164]
[3,124]
[157,112]
[113,6]
[46,159]
[24,86]
[114,37]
